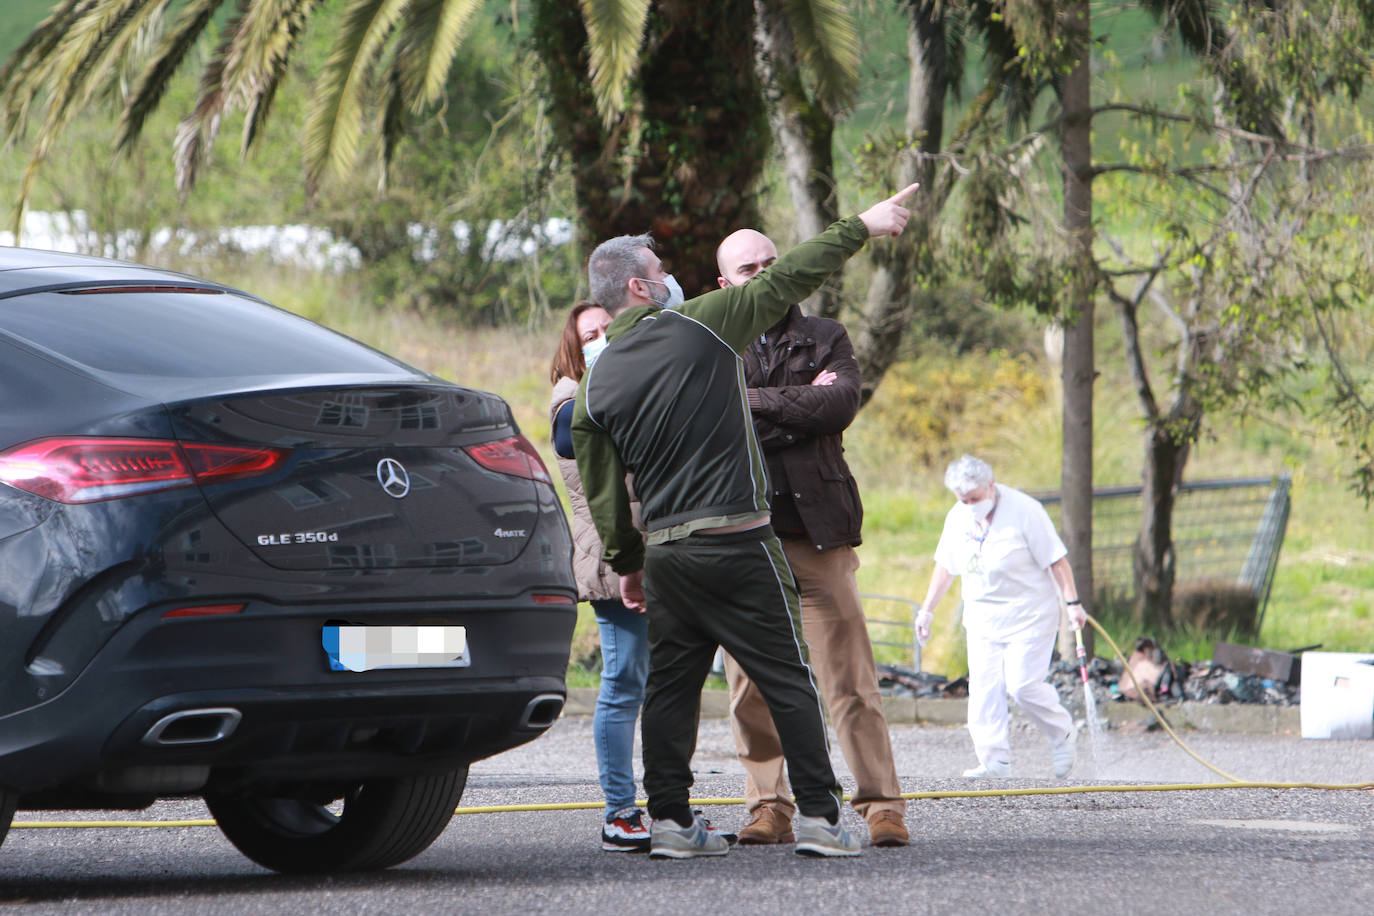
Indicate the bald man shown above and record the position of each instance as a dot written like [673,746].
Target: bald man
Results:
[803,391]
[665,402]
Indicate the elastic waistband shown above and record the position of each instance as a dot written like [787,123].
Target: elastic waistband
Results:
[706,539]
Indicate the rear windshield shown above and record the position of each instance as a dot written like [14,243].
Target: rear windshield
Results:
[185,334]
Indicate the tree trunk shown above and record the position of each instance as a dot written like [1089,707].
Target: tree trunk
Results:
[1079,370]
[888,308]
[1153,559]
[684,160]
[1168,443]
[804,132]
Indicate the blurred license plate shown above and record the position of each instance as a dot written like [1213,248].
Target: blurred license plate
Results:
[356,648]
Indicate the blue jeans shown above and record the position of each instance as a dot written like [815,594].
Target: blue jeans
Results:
[624,669]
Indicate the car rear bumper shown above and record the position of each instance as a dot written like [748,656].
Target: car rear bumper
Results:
[252,697]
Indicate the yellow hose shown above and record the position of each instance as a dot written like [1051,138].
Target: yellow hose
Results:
[1144,698]
[1233,783]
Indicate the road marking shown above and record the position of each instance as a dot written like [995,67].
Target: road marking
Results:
[1284,826]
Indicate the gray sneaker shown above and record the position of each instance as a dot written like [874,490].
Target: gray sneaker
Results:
[818,837]
[668,840]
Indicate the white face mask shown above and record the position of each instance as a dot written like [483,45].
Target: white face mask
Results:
[672,291]
[980,509]
[592,350]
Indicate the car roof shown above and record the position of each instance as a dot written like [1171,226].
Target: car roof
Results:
[24,269]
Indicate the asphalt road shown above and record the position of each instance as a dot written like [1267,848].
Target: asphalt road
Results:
[1251,851]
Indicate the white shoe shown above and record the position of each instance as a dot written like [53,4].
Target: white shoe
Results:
[998,768]
[1063,757]
[670,840]
[818,837]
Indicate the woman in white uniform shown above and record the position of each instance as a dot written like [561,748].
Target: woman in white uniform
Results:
[1003,545]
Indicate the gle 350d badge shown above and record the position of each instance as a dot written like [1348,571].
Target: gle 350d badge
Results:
[298,537]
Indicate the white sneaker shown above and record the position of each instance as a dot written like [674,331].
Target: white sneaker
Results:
[818,837]
[998,768]
[669,840]
[1063,757]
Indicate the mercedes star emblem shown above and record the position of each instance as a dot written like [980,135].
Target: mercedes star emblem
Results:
[393,477]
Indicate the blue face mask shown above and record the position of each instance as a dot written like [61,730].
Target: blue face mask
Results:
[672,291]
[592,350]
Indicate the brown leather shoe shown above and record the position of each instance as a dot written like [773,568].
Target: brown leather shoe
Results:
[769,827]
[886,828]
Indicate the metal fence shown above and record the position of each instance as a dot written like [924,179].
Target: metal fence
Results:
[897,633]
[1224,531]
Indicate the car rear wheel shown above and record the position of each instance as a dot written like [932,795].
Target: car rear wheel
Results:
[381,823]
[8,800]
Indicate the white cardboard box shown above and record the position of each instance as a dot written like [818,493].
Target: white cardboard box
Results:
[1337,695]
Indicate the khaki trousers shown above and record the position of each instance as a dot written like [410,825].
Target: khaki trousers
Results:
[842,660]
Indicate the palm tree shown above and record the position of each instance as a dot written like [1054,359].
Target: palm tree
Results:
[84,47]
[681,139]
[655,100]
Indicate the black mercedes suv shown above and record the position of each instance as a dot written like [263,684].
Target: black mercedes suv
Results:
[247,558]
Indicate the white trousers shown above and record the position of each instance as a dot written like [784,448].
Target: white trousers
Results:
[1017,666]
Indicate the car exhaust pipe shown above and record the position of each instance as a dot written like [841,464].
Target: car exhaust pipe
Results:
[193,726]
[542,711]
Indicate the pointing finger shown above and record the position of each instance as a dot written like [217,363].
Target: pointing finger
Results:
[904,193]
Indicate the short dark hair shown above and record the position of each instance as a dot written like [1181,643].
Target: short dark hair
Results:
[612,265]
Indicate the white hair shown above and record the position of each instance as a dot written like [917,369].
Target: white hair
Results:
[966,474]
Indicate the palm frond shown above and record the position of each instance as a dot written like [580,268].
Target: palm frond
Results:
[168,54]
[428,41]
[393,122]
[86,58]
[75,68]
[828,45]
[335,122]
[261,52]
[410,62]
[447,36]
[267,33]
[197,131]
[260,105]
[615,30]
[18,90]
[40,43]
[53,77]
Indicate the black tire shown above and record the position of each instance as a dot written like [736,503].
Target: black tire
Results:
[7,802]
[383,823]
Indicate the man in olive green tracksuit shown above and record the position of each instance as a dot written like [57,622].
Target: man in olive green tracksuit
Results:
[665,401]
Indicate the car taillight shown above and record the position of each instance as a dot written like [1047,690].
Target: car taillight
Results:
[204,610]
[513,455]
[87,469]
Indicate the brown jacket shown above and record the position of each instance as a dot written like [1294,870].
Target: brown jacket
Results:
[800,427]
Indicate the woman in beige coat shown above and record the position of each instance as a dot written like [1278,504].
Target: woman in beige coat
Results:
[624,632]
